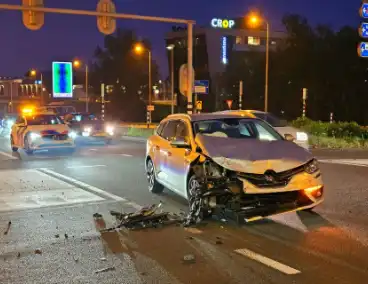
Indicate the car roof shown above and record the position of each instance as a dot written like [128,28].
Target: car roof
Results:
[242,111]
[204,116]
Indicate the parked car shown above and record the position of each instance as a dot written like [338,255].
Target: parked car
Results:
[301,137]
[260,165]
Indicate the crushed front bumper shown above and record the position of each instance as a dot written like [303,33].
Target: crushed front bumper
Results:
[42,143]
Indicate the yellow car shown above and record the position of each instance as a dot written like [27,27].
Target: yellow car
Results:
[232,161]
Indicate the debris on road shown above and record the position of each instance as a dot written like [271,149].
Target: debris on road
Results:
[8,228]
[103,259]
[189,259]
[57,236]
[105,270]
[18,256]
[66,236]
[38,251]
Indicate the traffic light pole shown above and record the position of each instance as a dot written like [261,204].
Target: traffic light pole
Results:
[123,16]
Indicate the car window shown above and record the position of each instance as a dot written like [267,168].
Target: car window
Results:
[160,128]
[237,128]
[271,119]
[19,120]
[169,130]
[182,131]
[44,120]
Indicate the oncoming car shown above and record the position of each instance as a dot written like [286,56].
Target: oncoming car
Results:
[261,168]
[301,138]
[40,131]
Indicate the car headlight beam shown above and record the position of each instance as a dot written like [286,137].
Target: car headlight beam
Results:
[312,167]
[110,129]
[72,134]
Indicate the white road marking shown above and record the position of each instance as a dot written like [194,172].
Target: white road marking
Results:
[268,261]
[10,156]
[291,220]
[126,155]
[349,162]
[82,184]
[92,149]
[91,166]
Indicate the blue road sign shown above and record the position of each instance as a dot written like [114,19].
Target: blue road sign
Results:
[364,10]
[201,86]
[363,30]
[363,49]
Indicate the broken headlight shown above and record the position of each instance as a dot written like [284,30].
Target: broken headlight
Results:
[311,167]
[212,169]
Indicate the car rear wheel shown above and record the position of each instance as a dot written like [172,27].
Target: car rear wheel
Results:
[14,149]
[27,147]
[153,185]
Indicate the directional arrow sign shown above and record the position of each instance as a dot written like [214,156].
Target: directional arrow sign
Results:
[363,30]
[364,10]
[363,49]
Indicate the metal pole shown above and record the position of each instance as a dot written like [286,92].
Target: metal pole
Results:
[190,69]
[172,80]
[149,119]
[87,98]
[42,102]
[305,94]
[240,94]
[103,101]
[11,96]
[331,117]
[267,59]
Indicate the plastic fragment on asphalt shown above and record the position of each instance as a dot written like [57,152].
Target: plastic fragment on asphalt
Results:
[103,259]
[38,251]
[8,228]
[189,258]
[105,270]
[18,256]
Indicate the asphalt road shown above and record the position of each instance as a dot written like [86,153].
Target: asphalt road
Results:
[50,198]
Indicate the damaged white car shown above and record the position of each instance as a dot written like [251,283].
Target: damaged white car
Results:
[234,164]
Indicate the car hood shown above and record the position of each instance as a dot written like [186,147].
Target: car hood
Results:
[251,155]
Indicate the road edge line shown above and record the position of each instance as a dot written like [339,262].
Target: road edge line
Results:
[8,155]
[268,261]
[82,184]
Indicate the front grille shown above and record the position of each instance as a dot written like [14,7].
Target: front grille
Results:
[280,179]
[58,137]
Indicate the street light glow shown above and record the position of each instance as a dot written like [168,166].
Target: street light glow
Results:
[170,47]
[138,48]
[76,63]
[33,72]
[254,20]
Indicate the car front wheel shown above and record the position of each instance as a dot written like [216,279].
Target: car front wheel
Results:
[153,185]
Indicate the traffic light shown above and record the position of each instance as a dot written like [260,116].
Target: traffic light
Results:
[31,19]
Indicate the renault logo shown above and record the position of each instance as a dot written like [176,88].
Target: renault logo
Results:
[270,176]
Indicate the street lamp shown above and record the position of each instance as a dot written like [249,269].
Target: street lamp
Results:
[171,48]
[139,49]
[77,64]
[254,21]
[33,73]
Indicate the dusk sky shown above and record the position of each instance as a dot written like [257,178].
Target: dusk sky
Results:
[65,36]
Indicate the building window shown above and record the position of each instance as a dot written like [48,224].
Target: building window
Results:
[273,42]
[254,40]
[239,40]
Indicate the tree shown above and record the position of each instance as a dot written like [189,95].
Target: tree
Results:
[116,64]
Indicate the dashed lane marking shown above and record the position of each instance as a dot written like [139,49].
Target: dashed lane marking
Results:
[10,156]
[127,155]
[268,261]
[81,166]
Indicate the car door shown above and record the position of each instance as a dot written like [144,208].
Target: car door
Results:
[154,145]
[164,149]
[178,158]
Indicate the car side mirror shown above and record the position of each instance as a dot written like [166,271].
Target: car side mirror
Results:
[289,137]
[180,143]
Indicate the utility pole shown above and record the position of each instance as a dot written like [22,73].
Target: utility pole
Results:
[103,101]
[190,69]
[240,94]
[305,95]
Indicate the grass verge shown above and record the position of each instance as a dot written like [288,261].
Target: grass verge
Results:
[338,143]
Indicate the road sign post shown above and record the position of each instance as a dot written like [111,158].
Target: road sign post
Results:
[201,87]
[240,94]
[363,30]
[103,101]
[31,19]
[364,11]
[305,96]
[199,106]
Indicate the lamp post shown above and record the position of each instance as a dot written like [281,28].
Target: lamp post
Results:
[139,49]
[77,63]
[34,74]
[171,48]
[256,20]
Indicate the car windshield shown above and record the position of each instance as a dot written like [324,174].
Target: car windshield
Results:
[237,128]
[44,120]
[271,119]
[84,117]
